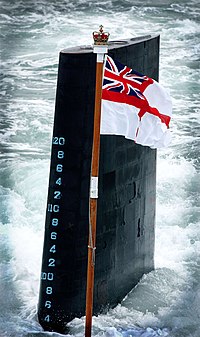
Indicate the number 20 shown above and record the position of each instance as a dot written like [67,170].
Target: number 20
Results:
[58,140]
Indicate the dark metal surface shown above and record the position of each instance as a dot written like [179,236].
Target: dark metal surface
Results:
[127,188]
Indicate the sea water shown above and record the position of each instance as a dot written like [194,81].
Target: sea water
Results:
[166,302]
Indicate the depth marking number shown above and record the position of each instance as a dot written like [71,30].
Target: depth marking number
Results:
[58,140]
[53,208]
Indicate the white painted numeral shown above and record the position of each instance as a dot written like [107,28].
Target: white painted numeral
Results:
[53,235]
[51,263]
[61,154]
[57,195]
[50,208]
[47,318]
[49,290]
[43,276]
[47,276]
[54,222]
[50,276]
[53,249]
[53,208]
[59,181]
[48,304]
[58,140]
[59,168]
[56,208]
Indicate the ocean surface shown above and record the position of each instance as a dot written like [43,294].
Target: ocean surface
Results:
[166,302]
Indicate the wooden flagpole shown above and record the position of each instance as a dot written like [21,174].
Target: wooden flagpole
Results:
[100,48]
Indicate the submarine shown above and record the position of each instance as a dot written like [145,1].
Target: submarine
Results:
[127,193]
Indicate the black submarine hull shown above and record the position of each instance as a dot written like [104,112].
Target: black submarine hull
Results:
[127,193]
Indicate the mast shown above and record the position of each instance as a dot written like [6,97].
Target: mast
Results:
[100,48]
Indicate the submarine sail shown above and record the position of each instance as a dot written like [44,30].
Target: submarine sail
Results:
[127,193]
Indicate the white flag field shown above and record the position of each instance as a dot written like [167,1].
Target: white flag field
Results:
[134,106]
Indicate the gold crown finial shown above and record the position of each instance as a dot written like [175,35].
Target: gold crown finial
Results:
[100,37]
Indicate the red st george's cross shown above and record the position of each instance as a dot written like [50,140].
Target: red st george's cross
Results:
[124,85]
